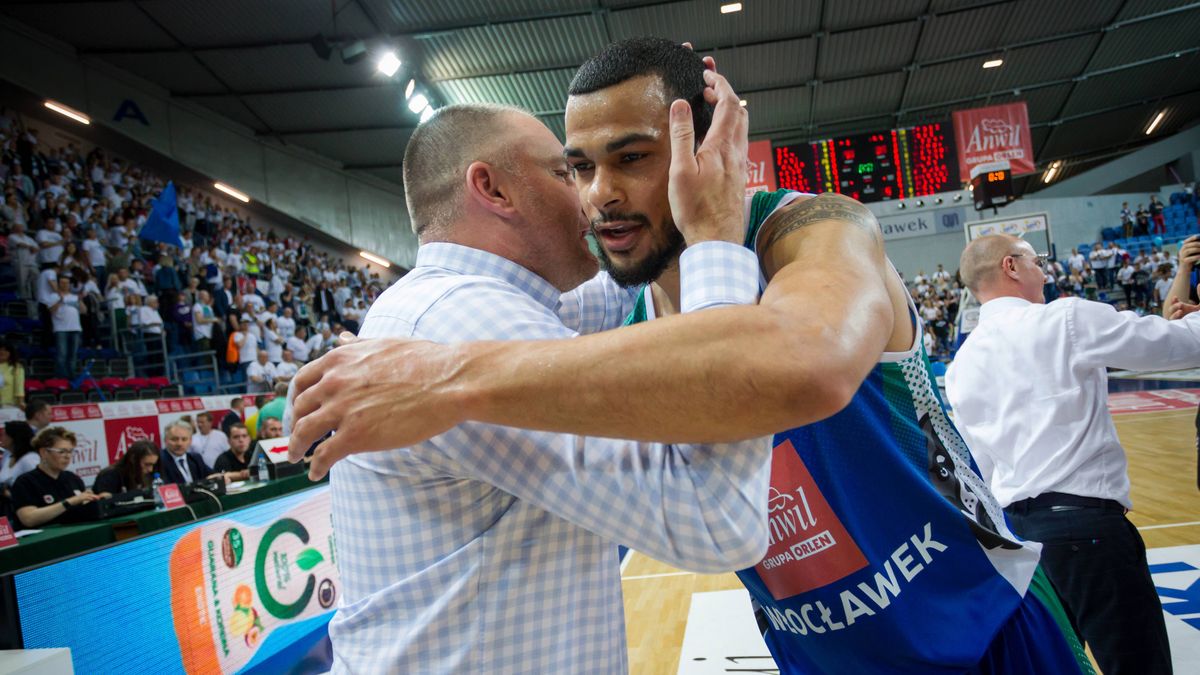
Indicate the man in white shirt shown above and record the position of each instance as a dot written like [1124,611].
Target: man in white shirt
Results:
[285,324]
[208,442]
[64,312]
[247,343]
[202,322]
[1075,262]
[261,374]
[24,251]
[1030,395]
[97,256]
[286,369]
[302,345]
[50,244]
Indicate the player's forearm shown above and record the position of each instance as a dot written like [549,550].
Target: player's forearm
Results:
[1179,290]
[718,375]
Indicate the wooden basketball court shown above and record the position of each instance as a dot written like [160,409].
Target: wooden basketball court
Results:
[1162,467]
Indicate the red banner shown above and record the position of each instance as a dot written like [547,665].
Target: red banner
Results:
[122,433]
[998,133]
[761,174]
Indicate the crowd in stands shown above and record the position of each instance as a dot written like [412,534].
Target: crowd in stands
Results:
[69,228]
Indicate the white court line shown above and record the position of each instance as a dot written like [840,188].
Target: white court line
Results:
[1160,527]
[657,576]
[625,563]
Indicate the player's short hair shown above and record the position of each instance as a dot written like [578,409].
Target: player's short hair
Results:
[680,69]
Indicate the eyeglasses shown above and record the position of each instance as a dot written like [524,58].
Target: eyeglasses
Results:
[1039,259]
[62,452]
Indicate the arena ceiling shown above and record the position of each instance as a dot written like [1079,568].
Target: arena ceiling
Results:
[1093,72]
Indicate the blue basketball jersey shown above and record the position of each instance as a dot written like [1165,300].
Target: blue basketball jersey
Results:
[887,551]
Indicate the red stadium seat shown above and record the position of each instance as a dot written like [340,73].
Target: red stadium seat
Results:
[34,385]
[57,383]
[136,382]
[110,383]
[159,381]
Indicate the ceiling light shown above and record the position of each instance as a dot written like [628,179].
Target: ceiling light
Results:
[408,90]
[73,114]
[742,102]
[417,103]
[240,196]
[427,113]
[938,200]
[388,64]
[920,203]
[375,259]
[901,206]
[994,63]
[958,198]
[1149,130]
[731,7]
[1052,171]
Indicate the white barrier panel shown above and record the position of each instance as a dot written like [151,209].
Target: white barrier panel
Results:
[104,431]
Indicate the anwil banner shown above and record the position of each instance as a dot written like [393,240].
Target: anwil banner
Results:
[761,168]
[998,133]
[104,431]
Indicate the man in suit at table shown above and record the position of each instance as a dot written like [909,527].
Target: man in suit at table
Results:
[177,464]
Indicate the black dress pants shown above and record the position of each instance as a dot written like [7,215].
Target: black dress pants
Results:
[1097,562]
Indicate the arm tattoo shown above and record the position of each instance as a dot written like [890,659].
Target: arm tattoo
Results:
[821,208]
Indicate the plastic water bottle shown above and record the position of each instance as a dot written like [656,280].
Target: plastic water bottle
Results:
[158,500]
[260,468]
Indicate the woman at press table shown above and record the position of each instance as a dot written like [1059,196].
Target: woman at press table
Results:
[50,494]
[133,471]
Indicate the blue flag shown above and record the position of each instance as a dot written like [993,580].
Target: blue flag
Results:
[163,222]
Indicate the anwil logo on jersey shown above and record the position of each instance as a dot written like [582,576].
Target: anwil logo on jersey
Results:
[808,546]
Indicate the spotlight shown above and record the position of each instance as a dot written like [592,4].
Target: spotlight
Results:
[375,259]
[68,112]
[236,194]
[938,200]
[1154,124]
[958,198]
[408,91]
[994,63]
[388,64]
[920,203]
[901,206]
[321,46]
[417,102]
[354,52]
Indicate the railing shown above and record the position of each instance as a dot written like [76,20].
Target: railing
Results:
[197,372]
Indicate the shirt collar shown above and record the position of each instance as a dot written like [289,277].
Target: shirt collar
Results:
[997,305]
[466,260]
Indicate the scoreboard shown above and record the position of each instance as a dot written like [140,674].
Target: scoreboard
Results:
[873,167]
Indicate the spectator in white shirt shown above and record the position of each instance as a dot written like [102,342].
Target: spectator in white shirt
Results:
[299,344]
[96,253]
[286,369]
[272,341]
[149,318]
[261,374]
[50,244]
[247,344]
[1029,392]
[285,324]
[64,311]
[202,322]
[24,252]
[1075,262]
[208,442]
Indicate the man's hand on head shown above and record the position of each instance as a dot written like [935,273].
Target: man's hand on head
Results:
[376,394]
[707,184]
[1177,309]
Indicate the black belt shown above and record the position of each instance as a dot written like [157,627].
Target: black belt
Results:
[1047,501]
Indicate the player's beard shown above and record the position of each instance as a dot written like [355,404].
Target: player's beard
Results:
[649,269]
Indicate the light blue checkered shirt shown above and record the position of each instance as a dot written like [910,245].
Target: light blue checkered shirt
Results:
[491,549]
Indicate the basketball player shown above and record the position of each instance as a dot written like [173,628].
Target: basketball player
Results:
[887,552]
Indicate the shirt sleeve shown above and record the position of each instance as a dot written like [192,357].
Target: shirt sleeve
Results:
[698,507]
[715,273]
[596,305]
[1104,337]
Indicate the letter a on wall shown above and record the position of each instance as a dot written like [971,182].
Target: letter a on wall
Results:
[130,109]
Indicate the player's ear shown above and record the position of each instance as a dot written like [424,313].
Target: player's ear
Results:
[486,187]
